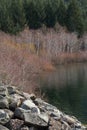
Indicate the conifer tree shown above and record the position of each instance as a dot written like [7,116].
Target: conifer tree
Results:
[5,21]
[74,19]
[51,8]
[35,13]
[61,13]
[17,15]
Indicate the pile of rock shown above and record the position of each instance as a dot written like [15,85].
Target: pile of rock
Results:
[23,111]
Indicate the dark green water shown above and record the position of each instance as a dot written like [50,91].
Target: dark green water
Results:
[66,88]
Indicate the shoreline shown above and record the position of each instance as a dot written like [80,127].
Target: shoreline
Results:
[25,111]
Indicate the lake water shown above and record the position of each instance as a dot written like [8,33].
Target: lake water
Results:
[66,88]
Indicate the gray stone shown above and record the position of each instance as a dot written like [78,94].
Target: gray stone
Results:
[34,119]
[25,128]
[4,117]
[65,126]
[31,113]
[15,124]
[10,113]
[54,125]
[29,105]
[33,128]
[4,102]
[19,113]
[69,119]
[83,127]
[78,125]
[44,117]
[29,96]
[56,114]
[3,127]
[15,101]
[3,91]
[12,89]
[44,105]
[49,109]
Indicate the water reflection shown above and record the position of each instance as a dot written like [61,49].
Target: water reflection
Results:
[67,89]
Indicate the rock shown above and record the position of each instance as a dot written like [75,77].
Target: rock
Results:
[3,91]
[56,114]
[65,126]
[54,125]
[33,128]
[15,124]
[69,119]
[12,90]
[44,117]
[10,113]
[4,102]
[32,96]
[29,96]
[25,128]
[31,113]
[19,113]
[83,127]
[34,119]
[4,117]
[48,108]
[44,105]
[29,128]
[78,125]
[3,128]
[26,95]
[29,105]
[15,101]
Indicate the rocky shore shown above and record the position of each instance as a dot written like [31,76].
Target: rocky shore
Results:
[23,111]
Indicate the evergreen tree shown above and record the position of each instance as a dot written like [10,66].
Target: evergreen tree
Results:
[17,15]
[34,13]
[5,20]
[84,9]
[74,19]
[61,13]
[51,8]
[14,14]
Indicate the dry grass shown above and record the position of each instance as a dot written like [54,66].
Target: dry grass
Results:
[65,58]
[20,64]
